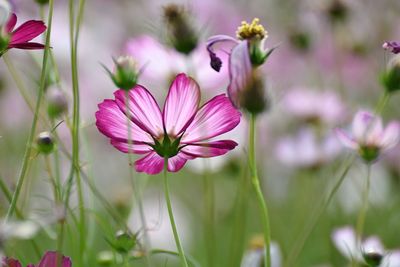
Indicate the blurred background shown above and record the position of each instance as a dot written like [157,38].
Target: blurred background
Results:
[326,68]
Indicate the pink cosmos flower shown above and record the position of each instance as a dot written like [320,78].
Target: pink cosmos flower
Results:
[50,259]
[178,132]
[369,137]
[392,46]
[20,37]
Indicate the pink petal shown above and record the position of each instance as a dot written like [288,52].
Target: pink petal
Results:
[11,23]
[136,148]
[181,104]
[367,128]
[215,61]
[150,164]
[216,117]
[392,259]
[144,110]
[27,46]
[51,258]
[345,241]
[10,262]
[345,139]
[211,149]
[27,31]
[391,135]
[113,123]
[239,71]
[177,162]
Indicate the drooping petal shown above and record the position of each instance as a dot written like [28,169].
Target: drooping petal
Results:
[240,70]
[177,162]
[152,163]
[10,262]
[391,135]
[215,61]
[216,117]
[346,139]
[211,149]
[136,148]
[113,123]
[51,259]
[143,108]
[181,104]
[367,128]
[27,46]
[11,23]
[27,31]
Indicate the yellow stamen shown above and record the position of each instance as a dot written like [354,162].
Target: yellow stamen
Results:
[252,30]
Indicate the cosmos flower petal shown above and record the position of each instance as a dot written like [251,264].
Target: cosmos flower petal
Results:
[181,104]
[345,241]
[113,123]
[211,149]
[240,70]
[367,127]
[392,259]
[216,117]
[392,46]
[372,244]
[123,146]
[27,31]
[10,262]
[346,139]
[177,162]
[51,258]
[391,135]
[27,46]
[11,23]
[152,163]
[215,61]
[143,109]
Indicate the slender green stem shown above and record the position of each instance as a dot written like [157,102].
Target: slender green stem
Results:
[382,103]
[29,144]
[260,197]
[163,251]
[171,217]
[314,218]
[364,208]
[138,199]
[209,204]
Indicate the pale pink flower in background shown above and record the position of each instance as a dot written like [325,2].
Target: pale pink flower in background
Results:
[313,105]
[180,132]
[368,136]
[345,240]
[307,150]
[254,257]
[159,64]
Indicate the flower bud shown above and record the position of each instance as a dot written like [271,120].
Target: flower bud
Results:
[180,32]
[57,103]
[105,258]
[373,258]
[123,242]
[337,11]
[390,79]
[125,75]
[45,143]
[42,2]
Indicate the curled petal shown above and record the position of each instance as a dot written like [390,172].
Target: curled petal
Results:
[113,123]
[211,149]
[181,104]
[392,46]
[240,70]
[27,46]
[367,128]
[391,135]
[150,164]
[346,139]
[11,23]
[215,61]
[214,118]
[27,31]
[52,258]
[143,109]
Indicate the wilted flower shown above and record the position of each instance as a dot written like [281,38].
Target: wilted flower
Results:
[392,46]
[50,259]
[369,138]
[177,133]
[306,150]
[20,37]
[254,256]
[370,250]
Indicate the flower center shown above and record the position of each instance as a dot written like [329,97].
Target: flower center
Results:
[166,147]
[253,30]
[369,153]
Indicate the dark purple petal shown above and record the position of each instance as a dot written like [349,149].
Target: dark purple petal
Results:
[392,46]
[27,31]
[27,46]
[215,61]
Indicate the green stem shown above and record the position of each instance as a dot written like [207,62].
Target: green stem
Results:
[364,208]
[209,204]
[146,238]
[382,103]
[29,144]
[171,217]
[314,218]
[260,197]
[163,251]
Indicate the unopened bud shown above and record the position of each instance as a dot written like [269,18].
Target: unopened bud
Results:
[42,2]
[45,143]
[57,103]
[373,258]
[180,31]
[105,258]
[253,97]
[390,79]
[125,75]
[124,241]
[337,11]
